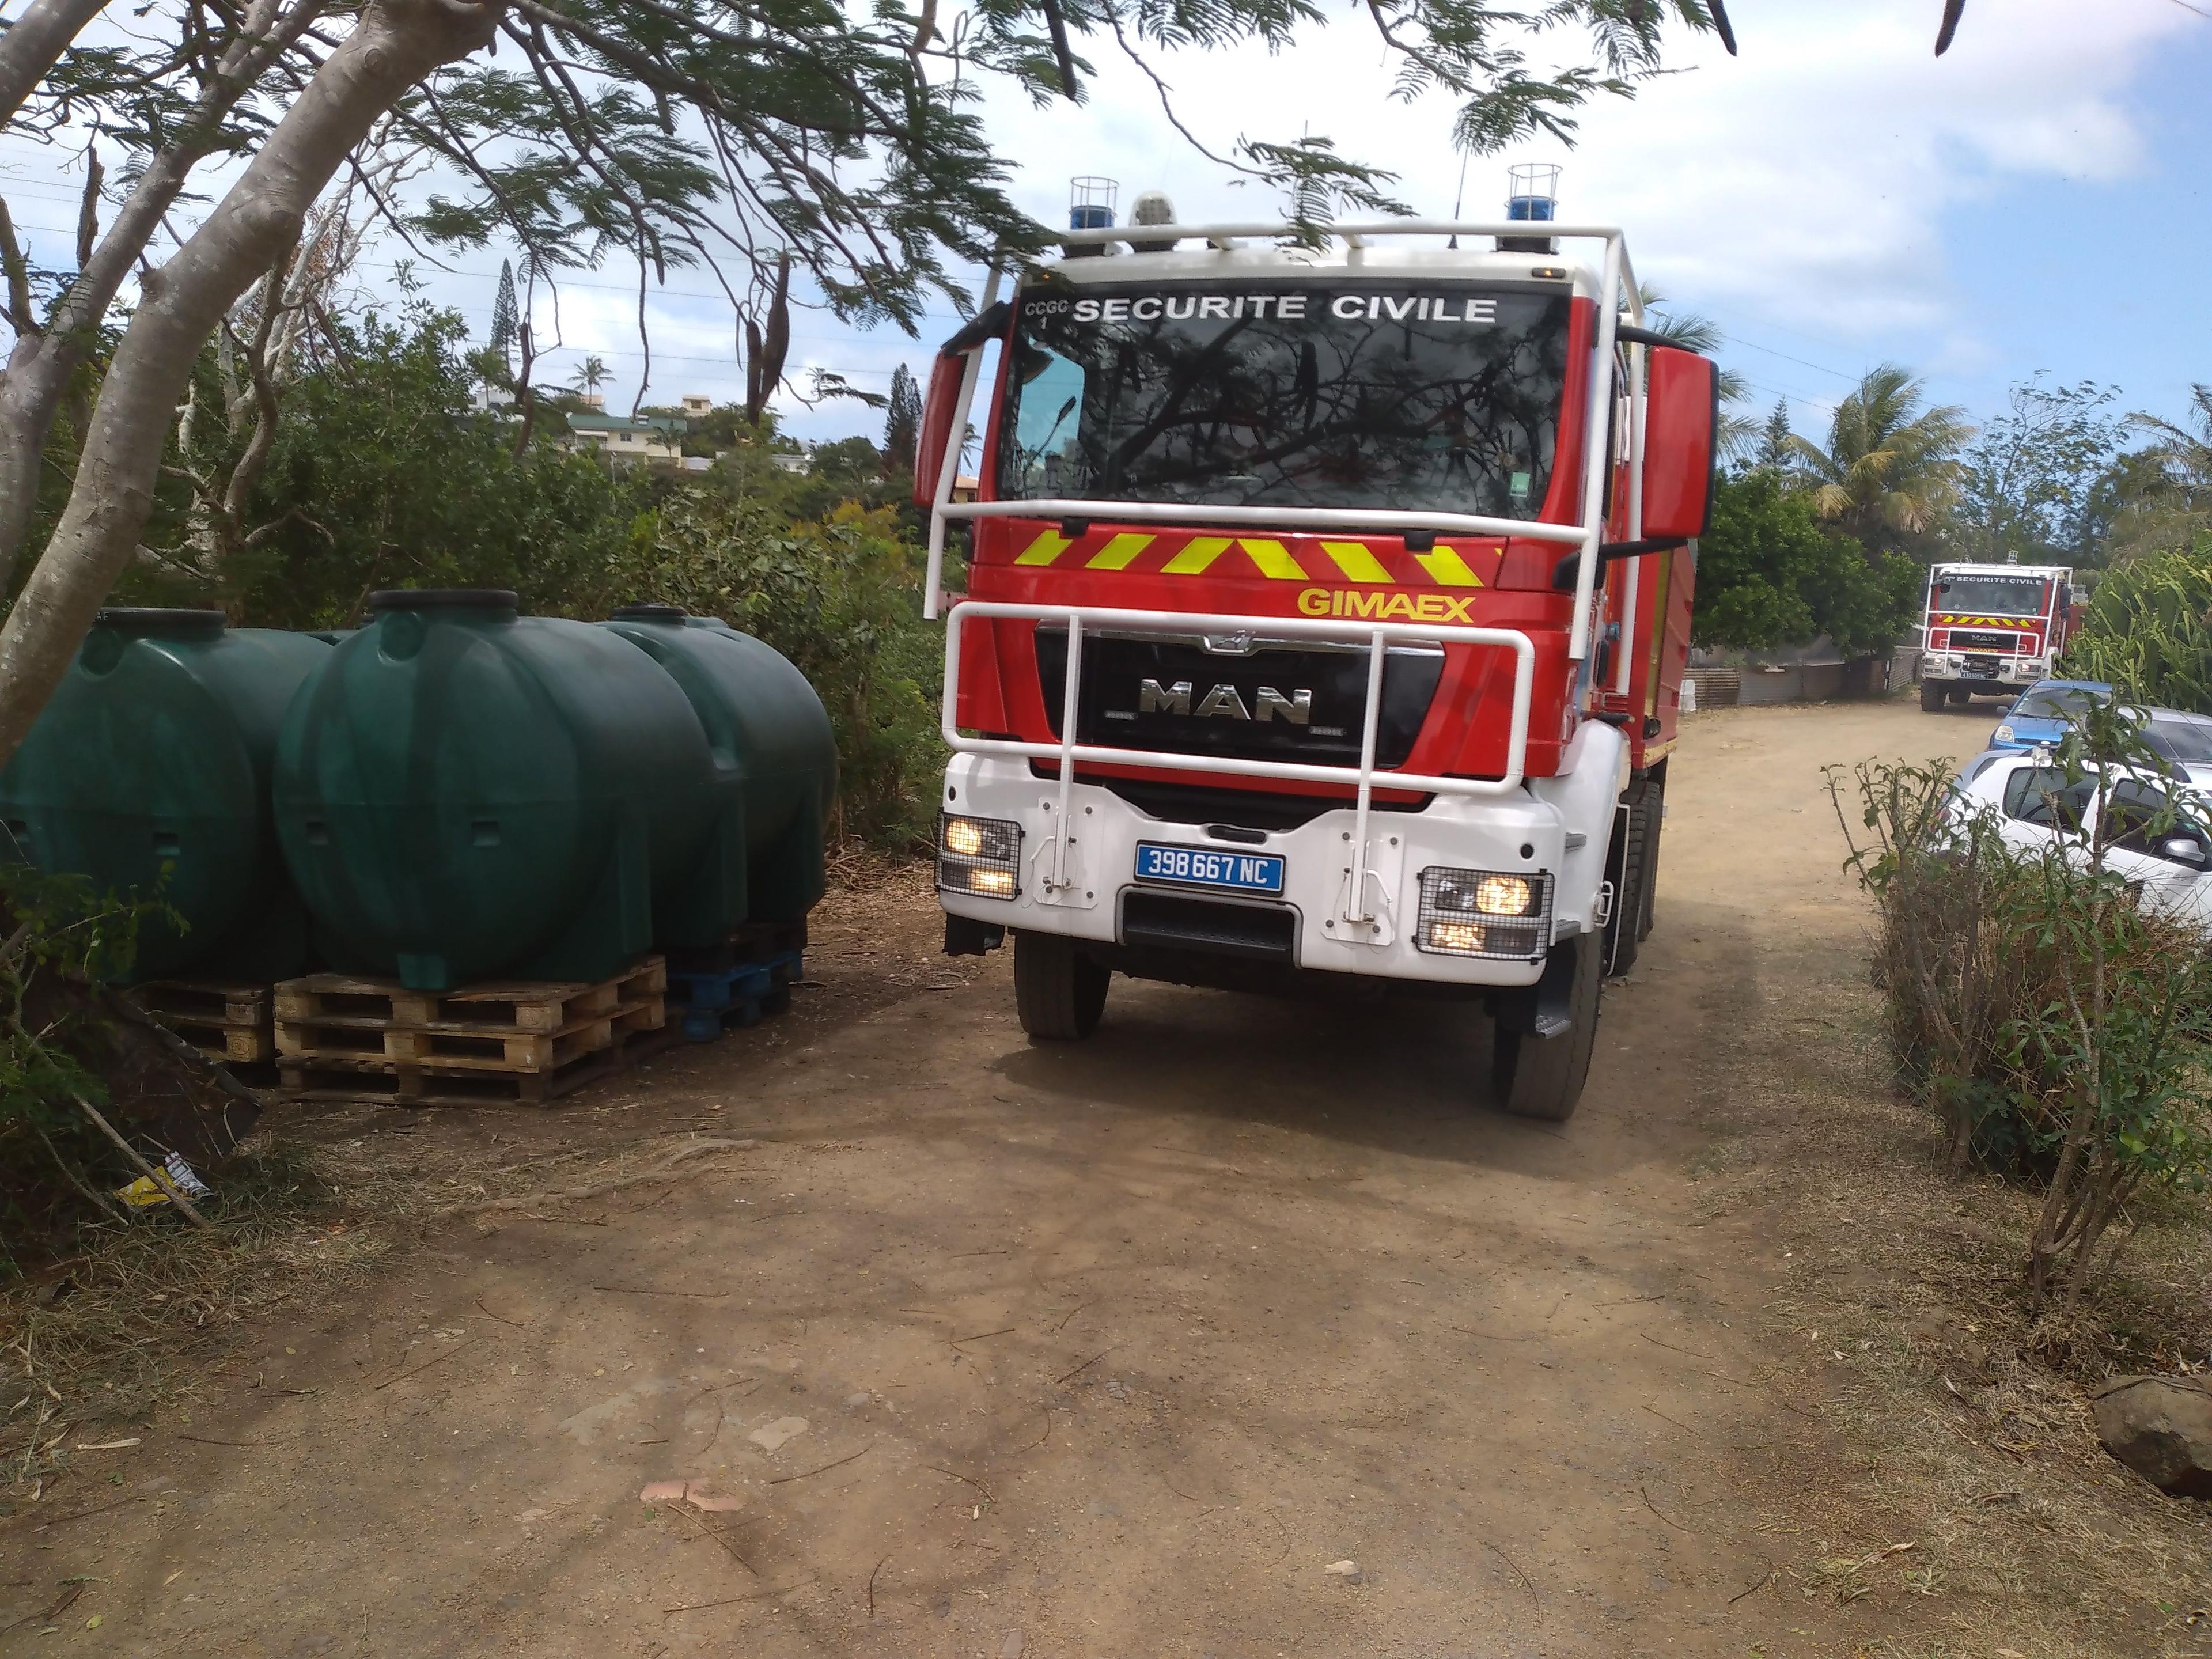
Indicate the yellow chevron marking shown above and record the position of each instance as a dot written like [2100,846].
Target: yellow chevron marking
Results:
[1358,561]
[1198,553]
[1274,560]
[1117,553]
[1449,569]
[1045,549]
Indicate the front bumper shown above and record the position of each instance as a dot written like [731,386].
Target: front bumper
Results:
[2010,671]
[1523,833]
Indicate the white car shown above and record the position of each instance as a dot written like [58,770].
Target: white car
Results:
[2035,809]
[2184,739]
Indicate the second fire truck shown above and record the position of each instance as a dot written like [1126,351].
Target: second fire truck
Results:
[1992,629]
[1326,613]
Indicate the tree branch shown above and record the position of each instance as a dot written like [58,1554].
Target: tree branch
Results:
[34,43]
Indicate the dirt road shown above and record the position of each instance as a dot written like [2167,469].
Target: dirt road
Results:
[989,1349]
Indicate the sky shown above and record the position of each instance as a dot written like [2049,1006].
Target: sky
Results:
[1837,197]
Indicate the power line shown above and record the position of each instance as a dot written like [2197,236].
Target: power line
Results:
[1802,362]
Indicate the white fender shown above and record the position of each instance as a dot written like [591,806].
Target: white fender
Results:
[1585,795]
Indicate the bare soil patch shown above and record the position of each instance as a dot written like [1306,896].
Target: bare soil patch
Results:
[877,1330]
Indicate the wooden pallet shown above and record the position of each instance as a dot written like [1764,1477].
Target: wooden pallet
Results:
[437,1085]
[355,1039]
[547,1006]
[230,1023]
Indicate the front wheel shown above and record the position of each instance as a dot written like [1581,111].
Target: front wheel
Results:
[1058,992]
[1542,1077]
[1932,696]
[1962,694]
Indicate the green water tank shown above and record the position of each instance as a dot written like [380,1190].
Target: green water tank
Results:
[463,793]
[149,770]
[774,755]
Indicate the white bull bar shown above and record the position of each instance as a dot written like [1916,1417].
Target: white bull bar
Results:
[1352,903]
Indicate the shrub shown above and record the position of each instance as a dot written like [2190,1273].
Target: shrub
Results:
[2061,1032]
[2148,629]
[60,933]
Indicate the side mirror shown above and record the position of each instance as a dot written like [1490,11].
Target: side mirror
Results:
[941,403]
[935,431]
[2182,849]
[1682,421]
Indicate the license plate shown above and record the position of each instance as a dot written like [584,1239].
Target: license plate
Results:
[1203,866]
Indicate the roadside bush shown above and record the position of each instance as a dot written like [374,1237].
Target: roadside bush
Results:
[842,600]
[2148,629]
[60,933]
[2060,1032]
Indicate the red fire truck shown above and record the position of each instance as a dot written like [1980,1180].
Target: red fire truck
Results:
[1326,612]
[1992,629]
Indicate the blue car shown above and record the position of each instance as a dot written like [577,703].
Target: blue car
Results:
[2044,714]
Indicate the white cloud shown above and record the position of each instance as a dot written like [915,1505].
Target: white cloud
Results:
[1808,179]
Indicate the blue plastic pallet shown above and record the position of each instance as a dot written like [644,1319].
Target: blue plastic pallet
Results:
[743,995]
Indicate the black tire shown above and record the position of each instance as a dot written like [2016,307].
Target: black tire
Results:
[1655,809]
[1962,694]
[1932,696]
[1058,992]
[1629,870]
[1542,1077]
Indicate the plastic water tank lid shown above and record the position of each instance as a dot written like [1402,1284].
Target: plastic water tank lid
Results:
[154,619]
[442,599]
[649,610]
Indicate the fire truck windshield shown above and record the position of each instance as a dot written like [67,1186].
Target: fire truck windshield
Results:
[1421,396]
[1986,593]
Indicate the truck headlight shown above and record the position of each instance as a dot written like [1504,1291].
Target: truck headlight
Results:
[979,856]
[1484,913]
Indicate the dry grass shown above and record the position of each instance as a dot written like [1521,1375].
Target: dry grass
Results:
[1906,1287]
[124,1326]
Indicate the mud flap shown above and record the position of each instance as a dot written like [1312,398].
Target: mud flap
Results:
[1545,1009]
[965,936]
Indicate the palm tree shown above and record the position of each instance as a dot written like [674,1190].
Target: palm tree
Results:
[1890,467]
[2164,492]
[591,374]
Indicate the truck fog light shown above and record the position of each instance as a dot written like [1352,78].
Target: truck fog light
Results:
[1465,937]
[979,856]
[1458,908]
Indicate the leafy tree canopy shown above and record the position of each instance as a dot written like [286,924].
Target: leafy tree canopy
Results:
[2031,485]
[1769,574]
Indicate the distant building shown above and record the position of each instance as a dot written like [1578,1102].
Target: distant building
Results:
[698,405]
[493,397]
[593,400]
[629,437]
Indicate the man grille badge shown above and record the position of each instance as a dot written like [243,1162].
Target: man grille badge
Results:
[1225,703]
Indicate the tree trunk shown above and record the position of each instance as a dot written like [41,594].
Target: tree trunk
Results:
[34,43]
[395,45]
[42,364]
